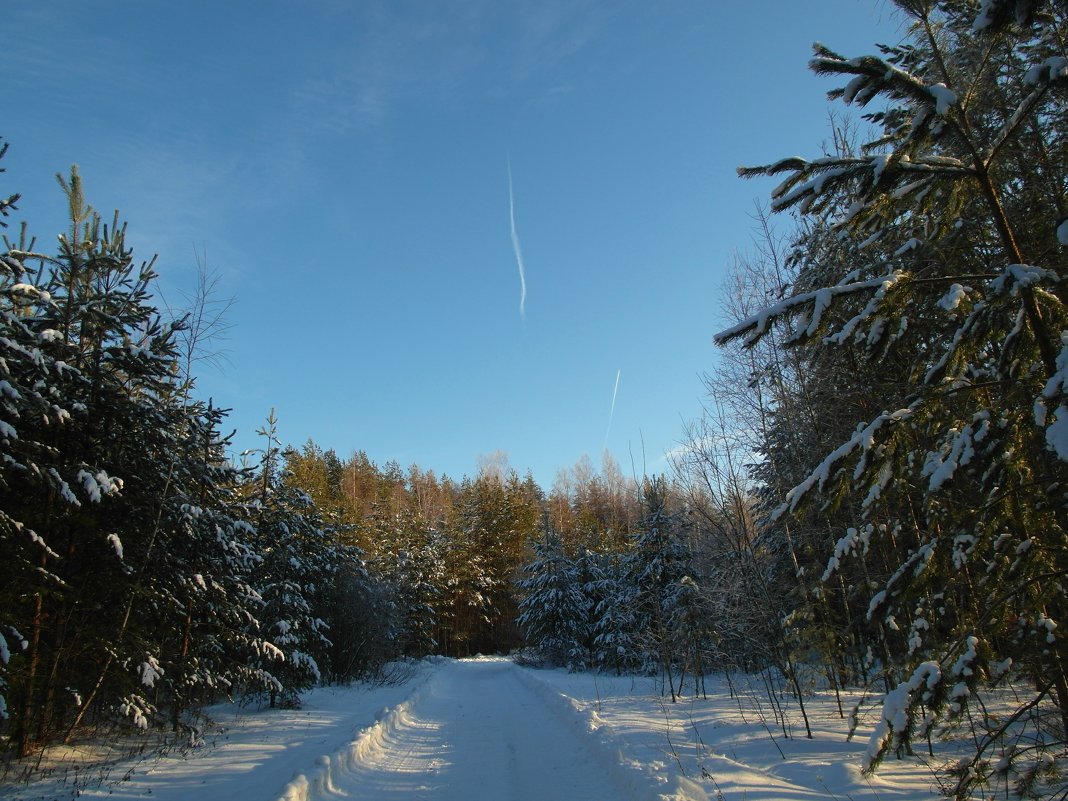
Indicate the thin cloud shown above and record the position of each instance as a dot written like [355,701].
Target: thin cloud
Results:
[392,57]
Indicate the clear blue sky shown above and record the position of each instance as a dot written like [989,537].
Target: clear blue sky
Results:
[344,168]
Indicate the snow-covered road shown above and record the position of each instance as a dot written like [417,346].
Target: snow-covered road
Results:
[475,730]
[487,729]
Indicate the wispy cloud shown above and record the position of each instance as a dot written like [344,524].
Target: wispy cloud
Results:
[392,56]
[548,34]
[518,251]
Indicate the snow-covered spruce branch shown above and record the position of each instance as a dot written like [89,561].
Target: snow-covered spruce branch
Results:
[926,686]
[756,326]
[862,439]
[811,180]
[872,76]
[968,768]
[996,15]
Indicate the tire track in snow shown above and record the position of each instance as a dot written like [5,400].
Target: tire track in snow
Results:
[475,729]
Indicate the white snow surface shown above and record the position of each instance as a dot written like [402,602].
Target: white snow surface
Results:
[486,728]
[944,98]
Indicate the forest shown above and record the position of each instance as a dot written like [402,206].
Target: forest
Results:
[876,494]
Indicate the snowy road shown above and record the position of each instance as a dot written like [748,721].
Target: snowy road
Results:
[487,729]
[475,731]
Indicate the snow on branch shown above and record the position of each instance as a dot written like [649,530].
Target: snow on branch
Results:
[944,98]
[874,76]
[863,439]
[994,15]
[1021,276]
[99,484]
[956,452]
[756,326]
[894,720]
[811,180]
[1056,388]
[1050,70]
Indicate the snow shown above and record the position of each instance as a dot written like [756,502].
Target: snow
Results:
[912,244]
[24,289]
[863,438]
[879,164]
[1057,385]
[1051,69]
[962,667]
[846,545]
[894,717]
[64,488]
[1049,626]
[953,297]
[985,18]
[756,326]
[941,465]
[150,671]
[486,728]
[813,188]
[944,98]
[99,484]
[1057,433]
[1020,276]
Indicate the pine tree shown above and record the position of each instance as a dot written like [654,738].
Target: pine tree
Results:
[118,521]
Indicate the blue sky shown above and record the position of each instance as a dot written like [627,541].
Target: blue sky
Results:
[343,168]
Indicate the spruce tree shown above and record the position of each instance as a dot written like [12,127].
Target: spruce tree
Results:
[655,567]
[296,560]
[615,629]
[552,606]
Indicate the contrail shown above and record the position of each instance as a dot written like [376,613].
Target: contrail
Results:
[612,413]
[515,247]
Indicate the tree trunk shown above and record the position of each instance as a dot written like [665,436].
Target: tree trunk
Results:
[23,744]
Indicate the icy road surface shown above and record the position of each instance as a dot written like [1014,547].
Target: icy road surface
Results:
[474,730]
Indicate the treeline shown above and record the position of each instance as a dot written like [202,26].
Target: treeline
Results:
[458,547]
